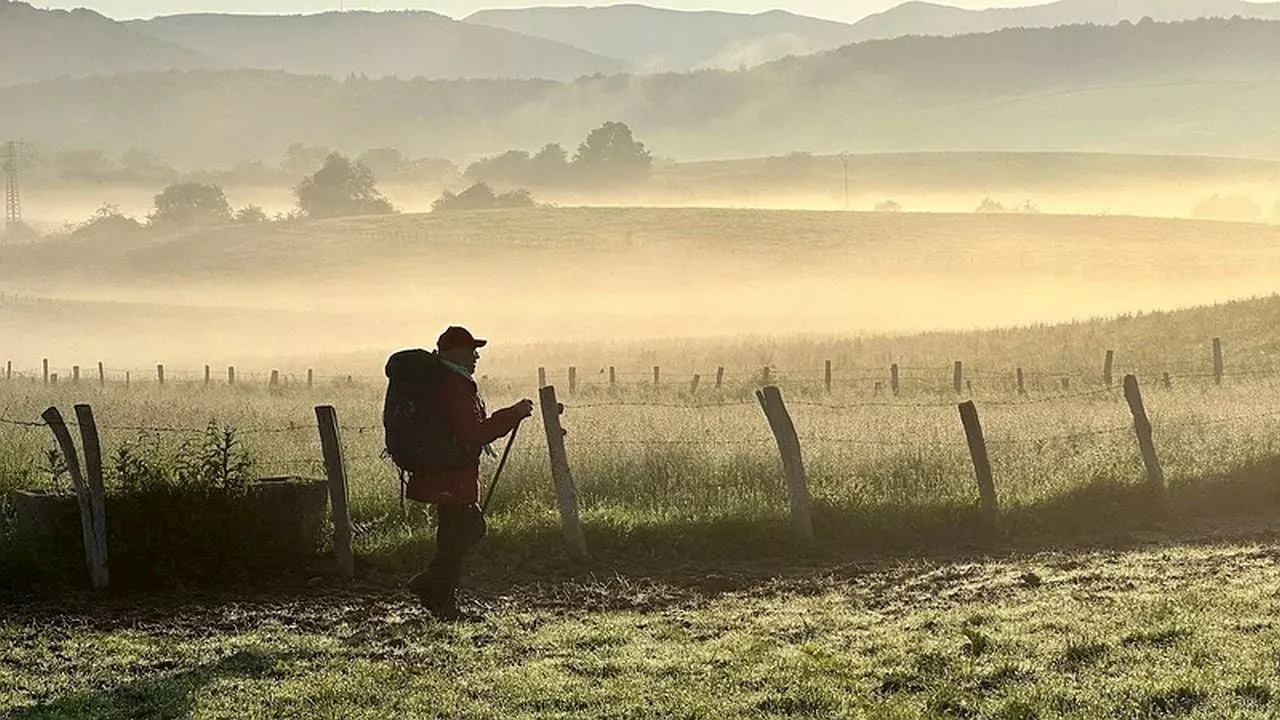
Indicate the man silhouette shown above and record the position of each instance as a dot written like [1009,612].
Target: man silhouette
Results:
[452,482]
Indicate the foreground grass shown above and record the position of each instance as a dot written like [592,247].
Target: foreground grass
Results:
[1175,632]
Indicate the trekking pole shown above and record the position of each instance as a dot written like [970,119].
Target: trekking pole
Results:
[501,464]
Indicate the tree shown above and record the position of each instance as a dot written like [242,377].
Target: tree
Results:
[611,153]
[107,222]
[188,204]
[250,214]
[341,188]
[550,166]
[301,160]
[512,166]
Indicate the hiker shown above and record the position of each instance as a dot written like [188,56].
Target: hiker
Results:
[440,454]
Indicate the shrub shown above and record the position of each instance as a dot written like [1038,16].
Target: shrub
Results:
[1239,208]
[989,206]
[250,214]
[108,222]
[482,197]
[189,204]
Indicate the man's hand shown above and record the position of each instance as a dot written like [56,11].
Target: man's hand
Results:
[524,408]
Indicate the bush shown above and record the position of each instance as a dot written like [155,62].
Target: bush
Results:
[250,214]
[989,206]
[108,222]
[1236,208]
[482,197]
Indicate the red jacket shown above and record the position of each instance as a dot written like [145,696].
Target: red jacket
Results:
[465,415]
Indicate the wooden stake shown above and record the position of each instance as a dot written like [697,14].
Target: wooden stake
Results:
[1168,381]
[613,377]
[981,462]
[310,379]
[693,386]
[75,374]
[827,378]
[275,378]
[97,491]
[231,374]
[1217,361]
[784,432]
[657,375]
[160,374]
[8,370]
[542,377]
[719,378]
[1022,389]
[54,420]
[1142,427]
[894,383]
[958,377]
[573,380]
[208,375]
[336,469]
[102,376]
[566,494]
[45,364]
[1107,364]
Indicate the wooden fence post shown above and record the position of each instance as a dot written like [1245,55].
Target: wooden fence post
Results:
[310,379]
[8,370]
[958,377]
[784,432]
[542,377]
[58,426]
[275,379]
[160,374]
[613,377]
[92,447]
[657,375]
[53,379]
[981,462]
[1168,381]
[1107,365]
[336,470]
[1142,427]
[45,364]
[894,383]
[102,376]
[231,375]
[208,375]
[126,378]
[573,380]
[826,380]
[693,386]
[1217,361]
[75,375]
[566,494]
[1022,389]
[719,378]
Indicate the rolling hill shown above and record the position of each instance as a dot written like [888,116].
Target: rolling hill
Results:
[925,18]
[661,40]
[1209,87]
[40,45]
[402,44]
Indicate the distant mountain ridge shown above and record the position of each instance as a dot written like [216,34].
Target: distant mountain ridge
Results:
[40,45]
[405,44]
[659,40]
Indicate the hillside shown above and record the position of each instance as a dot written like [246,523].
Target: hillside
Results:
[402,44]
[40,45]
[1207,87]
[661,40]
[926,18]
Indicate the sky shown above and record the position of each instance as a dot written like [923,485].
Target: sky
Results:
[844,10]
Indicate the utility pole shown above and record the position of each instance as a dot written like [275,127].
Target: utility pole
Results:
[844,160]
[12,198]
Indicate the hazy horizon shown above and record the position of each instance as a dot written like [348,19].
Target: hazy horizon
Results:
[840,10]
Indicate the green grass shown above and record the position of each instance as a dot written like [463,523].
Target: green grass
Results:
[1175,632]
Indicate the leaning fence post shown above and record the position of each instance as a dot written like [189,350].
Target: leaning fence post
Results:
[1217,361]
[784,432]
[1142,427]
[97,493]
[566,494]
[981,462]
[1107,365]
[336,469]
[54,420]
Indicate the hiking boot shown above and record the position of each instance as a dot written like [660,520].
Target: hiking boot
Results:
[432,594]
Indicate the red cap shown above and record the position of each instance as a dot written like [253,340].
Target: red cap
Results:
[456,337]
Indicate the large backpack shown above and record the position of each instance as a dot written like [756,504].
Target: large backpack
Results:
[416,435]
